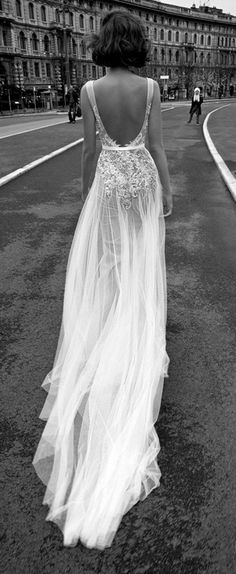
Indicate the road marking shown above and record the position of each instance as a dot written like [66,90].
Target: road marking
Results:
[36,128]
[227,175]
[14,174]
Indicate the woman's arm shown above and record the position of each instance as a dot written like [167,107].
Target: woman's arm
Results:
[89,143]
[157,151]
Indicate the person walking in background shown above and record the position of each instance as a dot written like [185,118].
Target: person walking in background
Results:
[98,452]
[72,101]
[196,108]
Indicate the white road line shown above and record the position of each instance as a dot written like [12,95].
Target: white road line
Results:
[64,121]
[227,175]
[14,174]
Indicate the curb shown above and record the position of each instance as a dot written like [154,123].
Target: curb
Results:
[226,174]
[14,174]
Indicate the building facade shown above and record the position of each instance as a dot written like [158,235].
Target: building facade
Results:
[43,47]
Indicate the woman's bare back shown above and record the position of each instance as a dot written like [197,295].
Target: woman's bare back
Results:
[121,100]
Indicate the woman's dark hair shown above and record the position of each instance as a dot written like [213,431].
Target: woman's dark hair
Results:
[121,42]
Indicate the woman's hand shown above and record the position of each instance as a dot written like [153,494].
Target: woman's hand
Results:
[167,204]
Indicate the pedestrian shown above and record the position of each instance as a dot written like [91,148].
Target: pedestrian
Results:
[196,108]
[72,101]
[97,454]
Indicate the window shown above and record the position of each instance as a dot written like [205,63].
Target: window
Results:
[71,19]
[31,11]
[25,69]
[170,21]
[201,58]
[209,40]
[0,5]
[155,54]
[162,34]
[162,19]
[186,38]
[169,36]
[94,72]
[195,57]
[226,42]
[18,8]
[48,70]
[57,16]
[208,59]
[36,69]
[81,21]
[177,36]
[233,42]
[84,71]
[83,49]
[195,38]
[155,18]
[155,35]
[46,44]
[202,40]
[177,56]
[74,47]
[43,14]
[35,42]
[4,37]
[170,55]
[22,41]
[147,17]
[91,24]
[162,55]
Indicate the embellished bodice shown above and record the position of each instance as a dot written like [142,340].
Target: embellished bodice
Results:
[129,170]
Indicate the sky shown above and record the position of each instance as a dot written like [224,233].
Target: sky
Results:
[225,5]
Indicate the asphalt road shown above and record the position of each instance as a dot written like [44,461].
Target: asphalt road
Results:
[187,526]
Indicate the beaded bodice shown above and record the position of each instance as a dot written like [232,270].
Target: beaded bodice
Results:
[125,170]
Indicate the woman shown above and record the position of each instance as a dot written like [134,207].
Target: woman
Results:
[98,451]
[196,108]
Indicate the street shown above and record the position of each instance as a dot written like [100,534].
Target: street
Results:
[187,526]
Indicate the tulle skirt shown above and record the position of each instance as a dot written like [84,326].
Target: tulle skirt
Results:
[97,454]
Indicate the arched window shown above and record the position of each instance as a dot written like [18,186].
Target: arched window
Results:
[177,56]
[208,58]
[162,34]
[170,55]
[233,42]
[186,37]
[162,55]
[155,35]
[81,21]
[91,24]
[18,8]
[155,54]
[222,41]
[57,16]
[35,42]
[226,42]
[209,40]
[177,36]
[43,14]
[31,11]
[22,41]
[201,58]
[202,40]
[46,44]
[195,38]
[169,36]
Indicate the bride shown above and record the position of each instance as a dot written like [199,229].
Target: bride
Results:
[97,454]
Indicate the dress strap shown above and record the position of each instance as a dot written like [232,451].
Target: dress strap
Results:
[90,92]
[150,90]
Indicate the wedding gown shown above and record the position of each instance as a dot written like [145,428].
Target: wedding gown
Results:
[97,454]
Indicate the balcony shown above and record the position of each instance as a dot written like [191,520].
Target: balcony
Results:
[6,49]
[55,25]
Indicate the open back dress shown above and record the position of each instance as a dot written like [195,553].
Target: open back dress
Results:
[98,452]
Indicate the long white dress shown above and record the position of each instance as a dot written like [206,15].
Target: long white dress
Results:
[97,454]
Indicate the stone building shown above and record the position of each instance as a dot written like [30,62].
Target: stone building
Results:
[43,46]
